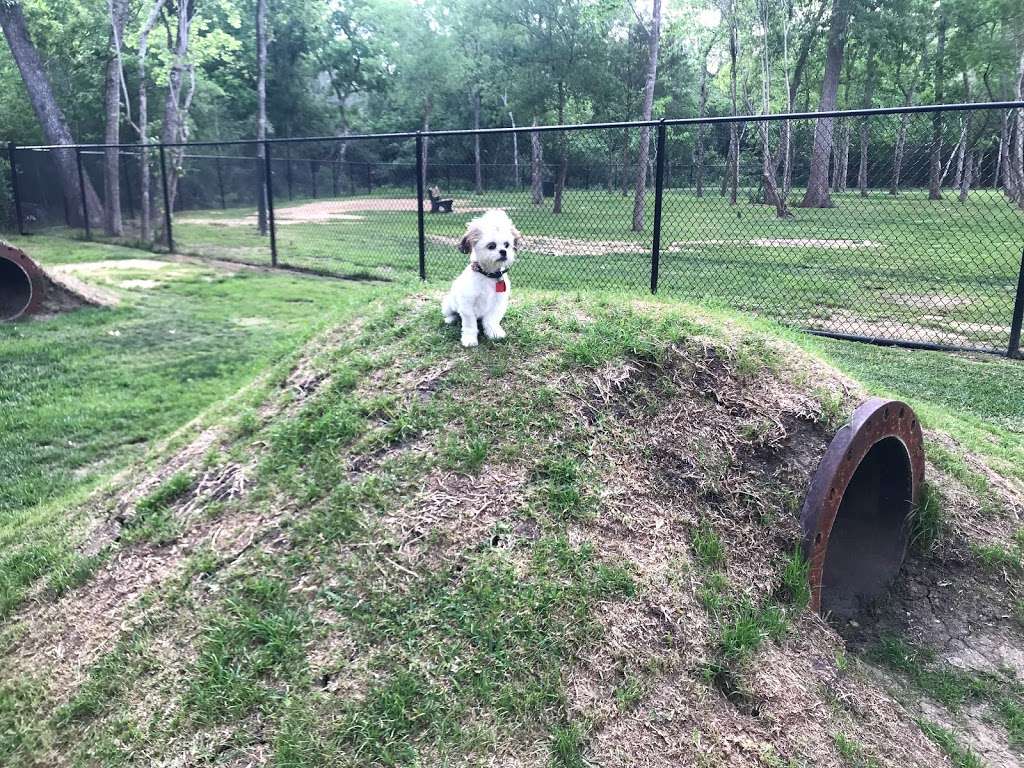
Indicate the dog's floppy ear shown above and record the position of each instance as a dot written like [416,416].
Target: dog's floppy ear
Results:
[471,238]
[517,239]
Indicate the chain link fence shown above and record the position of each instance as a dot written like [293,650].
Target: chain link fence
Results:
[894,226]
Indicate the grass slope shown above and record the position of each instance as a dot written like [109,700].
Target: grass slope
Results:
[574,547]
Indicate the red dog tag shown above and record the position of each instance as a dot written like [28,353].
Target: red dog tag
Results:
[500,286]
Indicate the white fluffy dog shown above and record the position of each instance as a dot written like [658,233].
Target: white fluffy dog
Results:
[481,291]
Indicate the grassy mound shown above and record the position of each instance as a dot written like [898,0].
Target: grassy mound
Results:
[578,546]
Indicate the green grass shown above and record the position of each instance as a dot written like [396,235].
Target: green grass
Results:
[708,549]
[86,393]
[927,523]
[961,756]
[153,521]
[853,752]
[711,252]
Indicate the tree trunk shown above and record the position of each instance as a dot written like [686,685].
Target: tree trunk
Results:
[48,112]
[428,108]
[261,113]
[146,207]
[1001,149]
[1015,156]
[478,178]
[768,166]
[515,142]
[869,92]
[901,145]
[624,175]
[966,177]
[843,173]
[640,188]
[702,106]
[935,164]
[563,161]
[817,195]
[176,105]
[793,89]
[536,167]
[733,165]
[112,222]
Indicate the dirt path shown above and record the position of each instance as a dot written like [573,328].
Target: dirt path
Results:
[326,210]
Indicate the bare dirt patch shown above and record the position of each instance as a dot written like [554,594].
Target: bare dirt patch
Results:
[326,210]
[565,246]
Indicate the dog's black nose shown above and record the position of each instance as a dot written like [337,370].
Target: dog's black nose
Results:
[503,252]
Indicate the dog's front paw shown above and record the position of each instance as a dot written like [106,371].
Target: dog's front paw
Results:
[469,340]
[496,332]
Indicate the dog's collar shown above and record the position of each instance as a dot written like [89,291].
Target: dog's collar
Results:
[475,266]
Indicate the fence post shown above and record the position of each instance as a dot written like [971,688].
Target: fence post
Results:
[419,204]
[81,191]
[1013,350]
[167,198]
[268,185]
[19,220]
[659,182]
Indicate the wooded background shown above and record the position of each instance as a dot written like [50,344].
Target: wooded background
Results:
[176,70]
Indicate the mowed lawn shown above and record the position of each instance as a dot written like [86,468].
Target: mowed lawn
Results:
[86,393]
[874,266]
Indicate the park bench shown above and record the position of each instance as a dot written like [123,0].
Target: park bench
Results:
[437,203]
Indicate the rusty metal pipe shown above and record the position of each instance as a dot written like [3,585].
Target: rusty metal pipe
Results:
[858,511]
[22,284]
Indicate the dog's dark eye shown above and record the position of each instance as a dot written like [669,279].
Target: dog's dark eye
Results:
[506,245]
[491,246]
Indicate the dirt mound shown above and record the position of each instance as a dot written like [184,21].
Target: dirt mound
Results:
[26,289]
[576,546]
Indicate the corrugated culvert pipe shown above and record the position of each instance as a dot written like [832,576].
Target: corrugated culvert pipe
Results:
[22,285]
[858,511]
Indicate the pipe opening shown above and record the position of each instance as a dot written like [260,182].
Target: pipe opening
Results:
[15,289]
[869,535]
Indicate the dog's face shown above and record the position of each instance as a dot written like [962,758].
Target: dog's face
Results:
[492,240]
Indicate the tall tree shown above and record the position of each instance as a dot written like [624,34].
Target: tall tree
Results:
[112,222]
[817,195]
[935,159]
[536,167]
[51,117]
[261,112]
[732,165]
[179,97]
[702,105]
[772,196]
[870,73]
[640,188]
[146,212]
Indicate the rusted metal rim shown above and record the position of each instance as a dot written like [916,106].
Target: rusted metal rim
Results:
[22,284]
[856,517]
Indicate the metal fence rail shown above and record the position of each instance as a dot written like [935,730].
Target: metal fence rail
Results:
[898,226]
